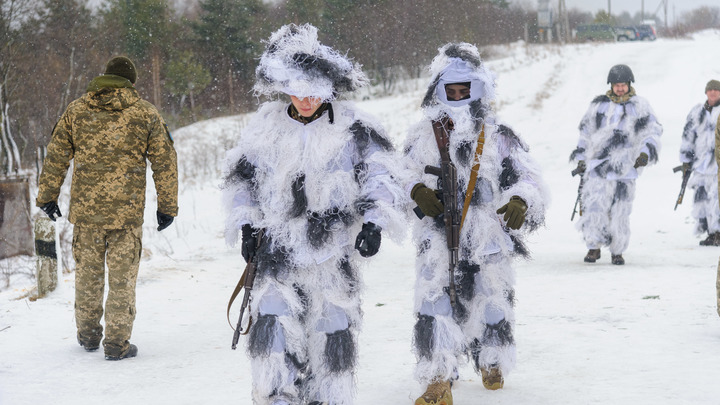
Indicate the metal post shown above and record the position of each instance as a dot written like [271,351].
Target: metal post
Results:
[642,10]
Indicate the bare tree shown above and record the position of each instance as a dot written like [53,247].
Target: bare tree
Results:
[13,14]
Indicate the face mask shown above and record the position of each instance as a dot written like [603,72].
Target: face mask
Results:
[475,92]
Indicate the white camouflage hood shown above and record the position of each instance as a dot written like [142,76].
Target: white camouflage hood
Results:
[456,63]
[295,63]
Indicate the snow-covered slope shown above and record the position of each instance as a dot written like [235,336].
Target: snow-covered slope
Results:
[643,333]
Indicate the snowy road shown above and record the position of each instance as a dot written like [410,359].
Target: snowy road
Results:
[643,333]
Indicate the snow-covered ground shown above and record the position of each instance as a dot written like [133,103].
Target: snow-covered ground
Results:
[643,333]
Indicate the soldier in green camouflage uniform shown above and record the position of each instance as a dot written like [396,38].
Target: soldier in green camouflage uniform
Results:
[109,132]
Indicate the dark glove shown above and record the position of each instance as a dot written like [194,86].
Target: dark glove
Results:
[514,212]
[642,160]
[686,167]
[427,199]
[164,220]
[249,242]
[368,240]
[52,210]
[580,169]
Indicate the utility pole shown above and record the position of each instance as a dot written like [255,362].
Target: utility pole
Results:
[609,8]
[642,10]
[564,23]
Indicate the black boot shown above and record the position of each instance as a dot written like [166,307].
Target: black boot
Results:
[617,259]
[89,346]
[592,255]
[132,352]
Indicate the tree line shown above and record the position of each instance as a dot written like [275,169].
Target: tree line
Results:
[197,61]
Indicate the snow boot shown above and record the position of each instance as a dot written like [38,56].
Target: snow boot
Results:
[713,239]
[89,346]
[437,393]
[492,379]
[592,255]
[132,352]
[618,259]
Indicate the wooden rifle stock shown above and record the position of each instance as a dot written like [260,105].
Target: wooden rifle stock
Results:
[246,282]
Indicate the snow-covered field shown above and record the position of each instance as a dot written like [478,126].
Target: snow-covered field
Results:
[643,333]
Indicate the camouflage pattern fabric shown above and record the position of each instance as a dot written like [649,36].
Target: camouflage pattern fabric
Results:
[123,248]
[717,158]
[110,132]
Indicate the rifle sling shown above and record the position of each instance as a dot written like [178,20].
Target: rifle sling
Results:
[473,175]
[443,141]
[241,283]
[234,295]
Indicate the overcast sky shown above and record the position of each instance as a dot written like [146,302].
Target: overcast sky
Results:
[634,6]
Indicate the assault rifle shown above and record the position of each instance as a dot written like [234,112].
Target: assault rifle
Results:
[578,200]
[685,178]
[447,174]
[246,281]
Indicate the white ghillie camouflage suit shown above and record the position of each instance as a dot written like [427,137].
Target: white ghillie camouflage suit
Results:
[612,136]
[698,149]
[482,325]
[310,187]
[717,161]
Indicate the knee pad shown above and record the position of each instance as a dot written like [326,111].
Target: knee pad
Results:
[333,319]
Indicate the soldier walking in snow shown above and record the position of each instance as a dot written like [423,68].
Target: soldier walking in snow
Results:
[316,178]
[717,161]
[619,135]
[499,188]
[109,133]
[697,154]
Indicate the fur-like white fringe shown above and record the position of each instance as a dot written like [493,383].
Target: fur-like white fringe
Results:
[296,63]
[483,234]
[447,349]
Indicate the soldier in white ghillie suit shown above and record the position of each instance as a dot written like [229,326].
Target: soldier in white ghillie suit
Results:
[697,154]
[619,135]
[319,179]
[507,201]
[717,161]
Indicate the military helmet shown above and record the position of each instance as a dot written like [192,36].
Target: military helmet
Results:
[620,74]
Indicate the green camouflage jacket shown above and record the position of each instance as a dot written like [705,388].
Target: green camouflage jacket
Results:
[110,132]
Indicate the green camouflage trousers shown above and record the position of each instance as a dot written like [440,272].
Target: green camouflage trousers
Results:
[122,249]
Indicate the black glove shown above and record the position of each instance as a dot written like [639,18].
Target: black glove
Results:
[368,240]
[249,242]
[164,220]
[580,169]
[52,210]
[514,212]
[427,199]
[642,160]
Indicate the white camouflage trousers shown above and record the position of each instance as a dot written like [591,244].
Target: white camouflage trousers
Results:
[606,208]
[706,208]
